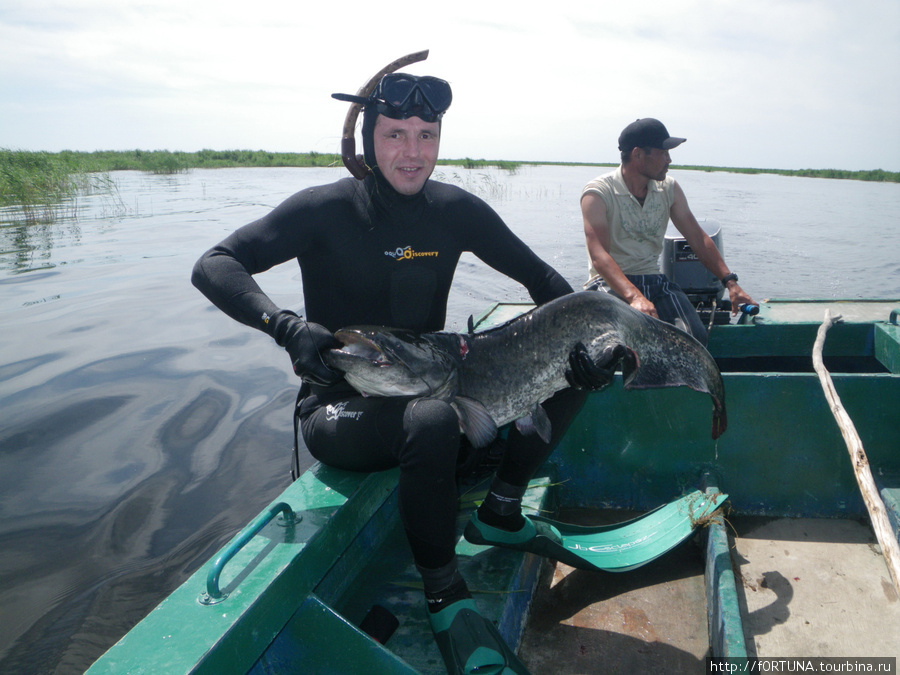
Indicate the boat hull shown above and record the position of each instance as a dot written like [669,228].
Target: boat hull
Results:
[297,591]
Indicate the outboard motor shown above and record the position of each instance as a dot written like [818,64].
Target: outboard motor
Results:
[680,264]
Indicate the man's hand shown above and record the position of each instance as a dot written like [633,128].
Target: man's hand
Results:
[738,297]
[642,304]
[304,342]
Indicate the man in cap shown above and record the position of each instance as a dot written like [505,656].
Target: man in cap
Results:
[382,250]
[626,213]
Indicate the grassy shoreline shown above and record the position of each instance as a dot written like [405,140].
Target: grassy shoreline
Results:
[40,179]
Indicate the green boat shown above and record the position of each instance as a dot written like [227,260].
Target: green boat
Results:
[290,592]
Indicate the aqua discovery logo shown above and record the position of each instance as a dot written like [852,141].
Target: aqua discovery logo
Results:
[337,411]
[407,253]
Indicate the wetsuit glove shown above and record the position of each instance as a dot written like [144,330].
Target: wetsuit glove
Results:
[304,341]
[586,374]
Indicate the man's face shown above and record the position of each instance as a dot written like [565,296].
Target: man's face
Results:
[655,163]
[406,151]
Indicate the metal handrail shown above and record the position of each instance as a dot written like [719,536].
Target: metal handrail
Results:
[213,593]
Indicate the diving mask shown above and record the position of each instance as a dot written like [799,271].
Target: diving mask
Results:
[401,96]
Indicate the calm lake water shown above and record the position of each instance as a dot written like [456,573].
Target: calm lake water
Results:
[142,428]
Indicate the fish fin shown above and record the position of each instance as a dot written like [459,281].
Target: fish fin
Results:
[525,425]
[536,423]
[630,365]
[475,421]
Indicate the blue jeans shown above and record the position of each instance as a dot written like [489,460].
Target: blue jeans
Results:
[672,305]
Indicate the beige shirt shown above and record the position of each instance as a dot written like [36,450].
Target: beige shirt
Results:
[636,232]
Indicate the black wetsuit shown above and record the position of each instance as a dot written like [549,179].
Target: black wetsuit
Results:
[386,261]
[369,255]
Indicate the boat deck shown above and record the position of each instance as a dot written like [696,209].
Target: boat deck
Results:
[815,587]
[652,619]
[806,587]
[799,311]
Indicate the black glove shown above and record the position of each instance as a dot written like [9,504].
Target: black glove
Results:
[586,374]
[304,342]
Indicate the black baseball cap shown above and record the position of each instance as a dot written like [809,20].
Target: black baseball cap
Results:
[647,133]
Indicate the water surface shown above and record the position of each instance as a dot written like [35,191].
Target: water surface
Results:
[142,428]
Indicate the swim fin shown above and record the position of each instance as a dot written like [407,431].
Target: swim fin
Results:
[610,548]
[471,644]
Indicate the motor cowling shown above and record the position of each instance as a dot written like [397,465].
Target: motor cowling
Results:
[680,264]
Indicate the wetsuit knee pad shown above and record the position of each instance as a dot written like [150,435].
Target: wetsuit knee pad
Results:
[432,432]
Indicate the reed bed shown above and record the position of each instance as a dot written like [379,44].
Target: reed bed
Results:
[40,185]
[874,175]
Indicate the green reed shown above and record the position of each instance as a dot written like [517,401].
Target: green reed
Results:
[39,183]
[874,175]
[168,162]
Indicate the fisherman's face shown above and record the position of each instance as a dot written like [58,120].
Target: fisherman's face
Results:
[655,163]
[406,151]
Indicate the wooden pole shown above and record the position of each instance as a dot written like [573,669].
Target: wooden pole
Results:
[877,512]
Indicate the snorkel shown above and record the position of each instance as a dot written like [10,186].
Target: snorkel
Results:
[356,163]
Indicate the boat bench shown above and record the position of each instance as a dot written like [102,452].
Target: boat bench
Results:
[293,586]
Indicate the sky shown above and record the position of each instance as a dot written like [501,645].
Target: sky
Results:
[782,84]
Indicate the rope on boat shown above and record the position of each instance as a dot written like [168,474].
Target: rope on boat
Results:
[877,512]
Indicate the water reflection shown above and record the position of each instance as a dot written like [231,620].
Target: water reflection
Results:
[25,248]
[115,487]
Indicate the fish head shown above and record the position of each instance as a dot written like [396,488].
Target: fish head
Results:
[379,361]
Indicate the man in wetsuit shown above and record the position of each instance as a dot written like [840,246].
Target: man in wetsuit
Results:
[383,251]
[626,213]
